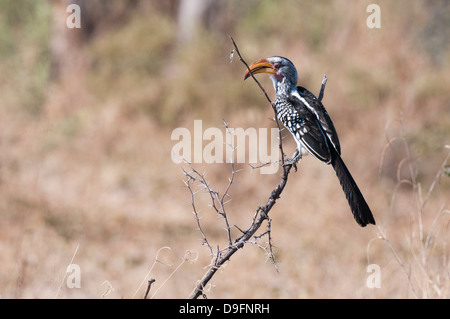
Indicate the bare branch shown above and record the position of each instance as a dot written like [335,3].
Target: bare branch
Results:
[261,214]
[268,99]
[197,218]
[217,201]
[248,68]
[322,88]
[150,282]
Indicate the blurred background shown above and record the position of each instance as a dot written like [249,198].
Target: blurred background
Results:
[86,174]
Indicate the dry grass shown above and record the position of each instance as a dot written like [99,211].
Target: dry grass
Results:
[85,162]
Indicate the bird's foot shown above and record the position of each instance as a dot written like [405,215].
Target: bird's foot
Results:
[293,160]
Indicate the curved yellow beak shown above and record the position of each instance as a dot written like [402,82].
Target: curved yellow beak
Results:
[259,66]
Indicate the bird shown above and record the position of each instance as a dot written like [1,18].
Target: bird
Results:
[305,117]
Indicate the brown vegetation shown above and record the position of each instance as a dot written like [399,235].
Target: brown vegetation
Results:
[85,155]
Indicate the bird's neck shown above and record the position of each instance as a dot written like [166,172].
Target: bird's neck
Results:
[283,88]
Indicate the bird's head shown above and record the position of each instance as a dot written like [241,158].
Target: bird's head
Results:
[279,69]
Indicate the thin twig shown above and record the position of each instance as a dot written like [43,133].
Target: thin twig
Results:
[150,282]
[65,274]
[280,137]
[155,261]
[322,89]
[248,68]
[230,182]
[217,201]
[197,218]
[187,258]
[399,260]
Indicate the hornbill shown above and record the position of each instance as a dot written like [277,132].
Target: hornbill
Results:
[311,126]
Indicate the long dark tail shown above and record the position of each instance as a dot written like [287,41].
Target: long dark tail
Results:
[358,204]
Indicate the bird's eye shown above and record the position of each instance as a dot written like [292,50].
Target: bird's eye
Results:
[277,66]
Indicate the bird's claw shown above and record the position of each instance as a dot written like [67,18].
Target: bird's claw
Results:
[293,160]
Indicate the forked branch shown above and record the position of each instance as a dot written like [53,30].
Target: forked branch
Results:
[262,212]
